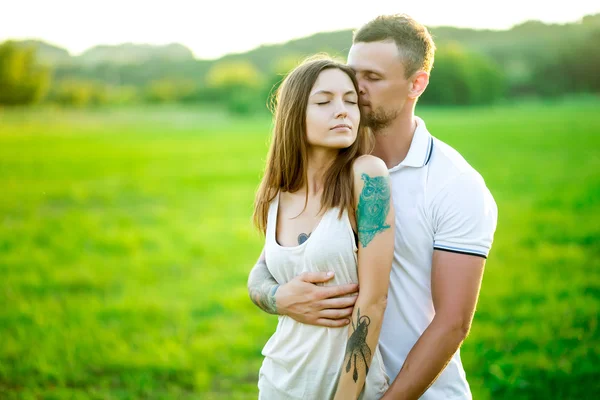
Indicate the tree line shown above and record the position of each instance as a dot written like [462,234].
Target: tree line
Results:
[468,69]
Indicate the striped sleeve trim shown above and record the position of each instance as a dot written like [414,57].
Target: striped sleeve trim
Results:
[459,250]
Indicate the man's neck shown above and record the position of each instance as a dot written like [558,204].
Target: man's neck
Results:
[393,142]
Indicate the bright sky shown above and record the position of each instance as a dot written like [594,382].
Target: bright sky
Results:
[212,28]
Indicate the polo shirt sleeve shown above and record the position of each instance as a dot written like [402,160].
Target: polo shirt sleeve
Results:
[464,216]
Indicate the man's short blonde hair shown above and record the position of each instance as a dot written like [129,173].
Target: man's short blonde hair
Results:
[413,40]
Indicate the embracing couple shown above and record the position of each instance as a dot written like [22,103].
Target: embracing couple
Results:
[376,232]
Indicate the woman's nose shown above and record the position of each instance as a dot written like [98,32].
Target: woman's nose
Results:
[342,114]
[342,111]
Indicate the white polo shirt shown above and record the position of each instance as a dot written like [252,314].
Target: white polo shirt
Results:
[442,203]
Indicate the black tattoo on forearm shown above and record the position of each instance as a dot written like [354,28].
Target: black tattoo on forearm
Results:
[303,237]
[262,287]
[357,349]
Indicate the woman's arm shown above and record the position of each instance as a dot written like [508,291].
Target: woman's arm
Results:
[375,223]
[262,286]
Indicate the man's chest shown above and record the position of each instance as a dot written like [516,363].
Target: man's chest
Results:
[414,227]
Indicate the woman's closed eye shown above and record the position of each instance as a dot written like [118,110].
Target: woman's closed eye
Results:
[327,102]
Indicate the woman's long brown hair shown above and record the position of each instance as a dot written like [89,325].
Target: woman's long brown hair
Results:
[287,160]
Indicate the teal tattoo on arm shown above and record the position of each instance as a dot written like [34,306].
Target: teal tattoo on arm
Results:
[262,287]
[373,208]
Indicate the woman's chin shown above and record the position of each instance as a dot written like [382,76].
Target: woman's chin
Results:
[343,142]
[336,144]
[342,145]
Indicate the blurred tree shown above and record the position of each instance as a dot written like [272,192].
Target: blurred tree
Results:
[460,77]
[169,90]
[22,79]
[237,84]
[489,84]
[234,73]
[79,93]
[587,61]
[574,69]
[591,20]
[279,70]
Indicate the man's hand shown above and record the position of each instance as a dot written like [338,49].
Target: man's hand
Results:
[301,298]
[310,304]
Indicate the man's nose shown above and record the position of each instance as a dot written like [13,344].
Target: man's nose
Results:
[361,87]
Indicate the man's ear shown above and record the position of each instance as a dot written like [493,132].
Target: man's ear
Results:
[418,84]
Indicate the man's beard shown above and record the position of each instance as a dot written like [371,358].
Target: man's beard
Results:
[379,119]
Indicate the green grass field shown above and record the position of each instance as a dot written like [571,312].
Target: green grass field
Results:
[126,240]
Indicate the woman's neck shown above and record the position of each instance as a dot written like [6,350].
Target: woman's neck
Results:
[319,160]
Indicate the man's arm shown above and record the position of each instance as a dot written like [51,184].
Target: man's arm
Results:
[300,298]
[455,283]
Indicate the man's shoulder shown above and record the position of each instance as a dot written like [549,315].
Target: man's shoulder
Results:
[446,158]
[450,171]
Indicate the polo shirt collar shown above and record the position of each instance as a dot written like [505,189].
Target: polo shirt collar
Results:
[420,149]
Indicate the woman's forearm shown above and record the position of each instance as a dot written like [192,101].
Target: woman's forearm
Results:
[262,286]
[363,337]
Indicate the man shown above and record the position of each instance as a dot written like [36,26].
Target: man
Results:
[445,222]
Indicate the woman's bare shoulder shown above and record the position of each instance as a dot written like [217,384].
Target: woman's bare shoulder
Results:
[370,165]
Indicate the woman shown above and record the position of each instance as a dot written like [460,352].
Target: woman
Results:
[319,190]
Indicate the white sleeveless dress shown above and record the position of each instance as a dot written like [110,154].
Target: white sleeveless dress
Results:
[304,362]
